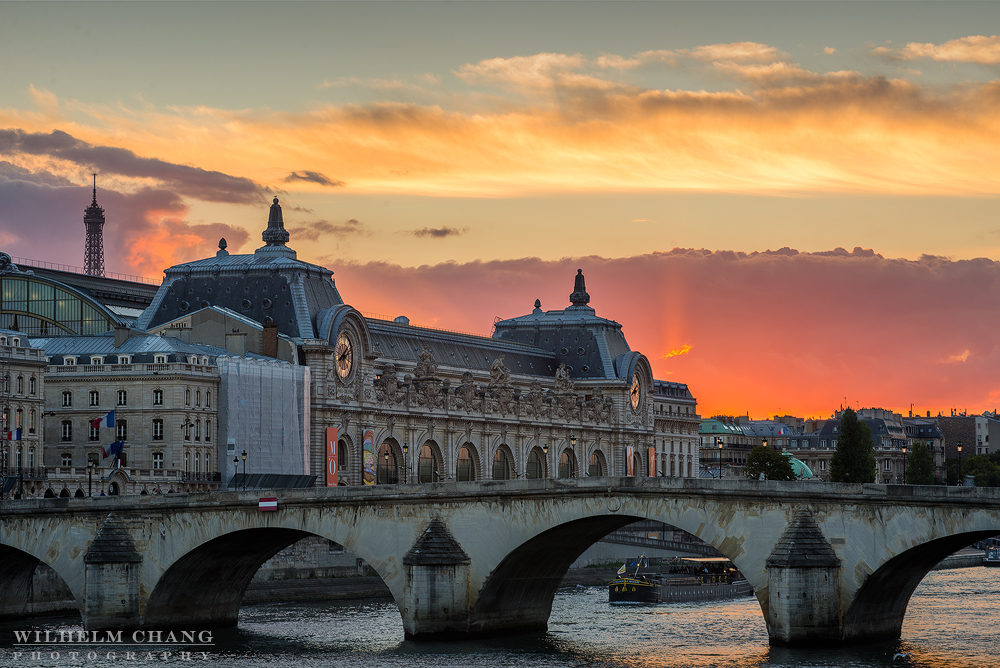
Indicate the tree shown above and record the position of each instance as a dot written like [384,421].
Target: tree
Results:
[919,467]
[773,464]
[854,458]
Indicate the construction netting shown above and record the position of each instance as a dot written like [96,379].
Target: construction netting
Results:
[264,411]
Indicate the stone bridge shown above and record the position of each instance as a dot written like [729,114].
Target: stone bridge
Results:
[829,563]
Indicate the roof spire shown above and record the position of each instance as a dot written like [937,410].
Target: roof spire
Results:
[275,234]
[579,296]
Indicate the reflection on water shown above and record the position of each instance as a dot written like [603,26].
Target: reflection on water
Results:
[949,623]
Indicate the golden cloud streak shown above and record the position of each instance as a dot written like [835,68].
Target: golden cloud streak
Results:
[684,350]
[798,132]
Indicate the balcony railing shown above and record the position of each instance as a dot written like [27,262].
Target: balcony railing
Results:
[27,473]
[171,367]
[211,476]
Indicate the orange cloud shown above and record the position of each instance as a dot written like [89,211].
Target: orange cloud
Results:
[972,49]
[684,350]
[738,51]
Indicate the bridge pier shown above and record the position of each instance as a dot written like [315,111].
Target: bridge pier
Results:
[113,568]
[436,593]
[803,586]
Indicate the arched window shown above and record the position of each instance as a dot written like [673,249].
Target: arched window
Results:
[596,466]
[197,398]
[567,469]
[466,466]
[20,384]
[534,469]
[388,468]
[19,418]
[31,386]
[342,455]
[428,466]
[501,465]
[187,397]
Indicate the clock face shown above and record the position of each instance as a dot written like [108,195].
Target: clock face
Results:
[344,356]
[635,392]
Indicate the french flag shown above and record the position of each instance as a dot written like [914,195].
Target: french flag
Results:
[14,435]
[108,420]
[112,450]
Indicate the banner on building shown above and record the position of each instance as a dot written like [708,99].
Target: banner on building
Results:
[629,461]
[651,462]
[332,474]
[368,455]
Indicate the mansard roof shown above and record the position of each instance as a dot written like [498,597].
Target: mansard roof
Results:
[392,341]
[271,285]
[590,346]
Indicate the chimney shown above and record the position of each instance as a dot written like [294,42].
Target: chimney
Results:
[236,343]
[270,343]
[122,334]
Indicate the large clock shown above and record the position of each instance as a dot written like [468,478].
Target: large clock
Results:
[635,392]
[344,356]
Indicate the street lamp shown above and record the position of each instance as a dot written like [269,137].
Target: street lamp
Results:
[90,477]
[572,441]
[766,461]
[406,472]
[244,456]
[385,457]
[904,464]
[718,439]
[959,463]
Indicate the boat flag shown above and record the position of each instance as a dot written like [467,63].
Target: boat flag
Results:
[113,449]
[621,571]
[108,419]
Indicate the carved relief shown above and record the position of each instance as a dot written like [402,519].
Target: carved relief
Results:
[499,375]
[535,404]
[598,409]
[465,394]
[563,383]
[564,407]
[428,392]
[426,366]
[502,400]
[388,389]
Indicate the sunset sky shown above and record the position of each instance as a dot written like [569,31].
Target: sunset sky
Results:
[706,164]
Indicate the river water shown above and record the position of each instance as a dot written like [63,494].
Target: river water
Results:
[950,622]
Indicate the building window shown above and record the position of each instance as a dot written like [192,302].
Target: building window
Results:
[69,361]
[18,418]
[207,469]
[187,397]
[197,398]
[187,461]
[501,465]
[158,458]
[124,359]
[342,458]
[31,386]
[95,432]
[887,464]
[31,421]
[67,459]
[160,359]
[67,430]
[157,430]
[31,458]
[187,432]
[20,384]
[534,466]
[197,463]
[208,400]
[208,431]
[157,397]
[122,398]
[95,398]
[465,468]
[96,361]
[67,399]
[121,430]
[197,430]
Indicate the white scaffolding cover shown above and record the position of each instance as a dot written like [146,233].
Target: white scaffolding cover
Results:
[263,409]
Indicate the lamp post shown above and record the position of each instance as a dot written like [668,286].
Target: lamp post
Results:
[90,477]
[406,470]
[244,456]
[904,464]
[545,456]
[959,463]
[718,439]
[236,471]
[766,461]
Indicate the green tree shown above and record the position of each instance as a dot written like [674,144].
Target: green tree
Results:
[919,466]
[773,464]
[854,458]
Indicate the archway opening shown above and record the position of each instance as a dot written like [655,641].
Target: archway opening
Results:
[502,464]
[597,467]
[880,603]
[465,467]
[388,465]
[30,586]
[535,467]
[429,463]
[567,464]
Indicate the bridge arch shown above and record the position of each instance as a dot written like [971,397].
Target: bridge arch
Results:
[22,549]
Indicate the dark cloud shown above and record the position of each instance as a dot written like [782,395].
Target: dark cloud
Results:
[768,331]
[194,182]
[439,232]
[10,172]
[312,177]
[313,231]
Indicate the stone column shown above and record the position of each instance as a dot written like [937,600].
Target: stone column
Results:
[803,586]
[436,594]
[111,588]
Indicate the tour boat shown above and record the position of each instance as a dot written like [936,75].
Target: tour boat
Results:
[992,556]
[689,579]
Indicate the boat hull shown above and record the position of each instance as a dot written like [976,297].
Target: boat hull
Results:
[632,590]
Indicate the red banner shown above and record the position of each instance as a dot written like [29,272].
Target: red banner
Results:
[629,461]
[651,461]
[332,473]
[268,503]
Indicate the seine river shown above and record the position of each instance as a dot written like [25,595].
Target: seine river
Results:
[951,622]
